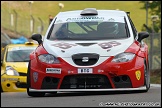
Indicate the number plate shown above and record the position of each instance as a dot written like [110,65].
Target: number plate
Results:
[85,70]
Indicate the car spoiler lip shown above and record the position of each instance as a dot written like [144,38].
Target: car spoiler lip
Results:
[73,90]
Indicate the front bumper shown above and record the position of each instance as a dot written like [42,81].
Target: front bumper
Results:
[106,76]
[82,90]
[13,83]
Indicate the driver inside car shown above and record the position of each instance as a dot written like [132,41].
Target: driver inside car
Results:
[109,29]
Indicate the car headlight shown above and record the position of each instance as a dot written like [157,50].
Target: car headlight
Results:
[11,71]
[123,57]
[48,58]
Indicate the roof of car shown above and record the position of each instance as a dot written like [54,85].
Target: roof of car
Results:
[76,13]
[26,44]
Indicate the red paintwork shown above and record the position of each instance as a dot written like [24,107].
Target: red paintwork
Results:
[110,68]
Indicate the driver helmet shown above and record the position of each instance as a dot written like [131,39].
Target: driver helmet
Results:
[112,28]
[108,28]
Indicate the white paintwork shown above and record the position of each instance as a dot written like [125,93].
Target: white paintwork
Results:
[66,54]
[95,48]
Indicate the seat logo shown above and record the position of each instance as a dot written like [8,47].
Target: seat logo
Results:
[138,74]
[85,59]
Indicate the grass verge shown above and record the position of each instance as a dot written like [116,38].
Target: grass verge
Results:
[155,76]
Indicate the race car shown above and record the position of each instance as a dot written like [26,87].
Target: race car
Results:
[14,66]
[89,50]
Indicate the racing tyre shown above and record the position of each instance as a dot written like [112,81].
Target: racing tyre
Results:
[146,77]
[33,94]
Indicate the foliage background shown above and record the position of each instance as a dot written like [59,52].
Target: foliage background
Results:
[43,9]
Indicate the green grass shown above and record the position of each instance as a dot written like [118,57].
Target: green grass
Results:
[155,79]
[155,76]
[43,9]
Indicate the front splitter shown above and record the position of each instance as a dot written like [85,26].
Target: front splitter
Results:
[73,90]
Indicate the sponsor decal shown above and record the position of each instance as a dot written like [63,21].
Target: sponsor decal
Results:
[138,74]
[53,70]
[58,21]
[111,20]
[108,45]
[9,79]
[12,79]
[70,72]
[100,70]
[85,19]
[90,19]
[35,76]
[64,45]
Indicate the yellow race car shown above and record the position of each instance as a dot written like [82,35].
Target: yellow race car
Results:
[14,66]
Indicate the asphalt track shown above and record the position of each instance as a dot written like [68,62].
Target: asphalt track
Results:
[152,98]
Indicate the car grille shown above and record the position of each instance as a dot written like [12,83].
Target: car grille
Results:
[50,83]
[86,81]
[122,81]
[90,59]
[22,74]
[21,85]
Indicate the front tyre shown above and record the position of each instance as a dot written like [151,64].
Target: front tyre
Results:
[33,94]
[146,77]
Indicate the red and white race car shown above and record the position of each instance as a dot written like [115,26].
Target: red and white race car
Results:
[89,50]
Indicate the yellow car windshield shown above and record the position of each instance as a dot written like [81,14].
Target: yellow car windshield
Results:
[18,56]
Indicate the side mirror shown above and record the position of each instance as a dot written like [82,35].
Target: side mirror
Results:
[37,37]
[142,35]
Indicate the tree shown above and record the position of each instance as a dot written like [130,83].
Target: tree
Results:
[155,9]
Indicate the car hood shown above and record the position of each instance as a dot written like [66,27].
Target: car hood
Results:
[65,49]
[18,66]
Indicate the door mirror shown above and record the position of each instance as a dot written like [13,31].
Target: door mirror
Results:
[142,35]
[37,37]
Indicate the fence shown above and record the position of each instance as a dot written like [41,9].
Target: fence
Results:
[29,25]
[154,45]
[26,25]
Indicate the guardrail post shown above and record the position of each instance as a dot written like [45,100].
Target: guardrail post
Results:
[15,21]
[42,26]
[32,24]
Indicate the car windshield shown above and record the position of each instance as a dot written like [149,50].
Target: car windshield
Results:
[19,55]
[88,31]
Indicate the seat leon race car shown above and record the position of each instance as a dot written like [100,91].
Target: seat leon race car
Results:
[14,65]
[89,50]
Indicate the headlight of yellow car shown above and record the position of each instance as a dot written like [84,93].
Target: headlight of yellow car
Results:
[11,71]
